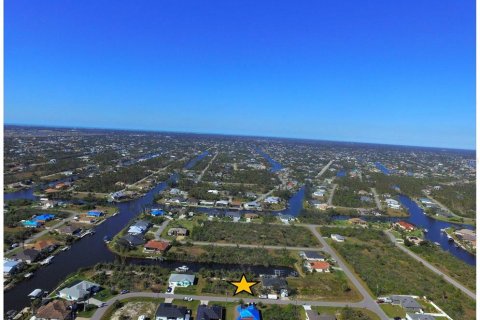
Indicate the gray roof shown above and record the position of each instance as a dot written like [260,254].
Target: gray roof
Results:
[232,214]
[209,312]
[313,255]
[142,224]
[133,240]
[28,254]
[79,290]
[169,310]
[179,277]
[406,302]
[274,282]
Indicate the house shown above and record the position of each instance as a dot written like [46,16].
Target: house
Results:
[178,232]
[56,309]
[69,230]
[10,266]
[407,302]
[168,311]
[31,223]
[419,316]
[312,256]
[181,280]
[251,216]
[45,245]
[133,240]
[157,212]
[95,213]
[337,237]
[248,312]
[274,283]
[79,291]
[28,255]
[252,205]
[139,227]
[392,203]
[222,203]
[272,200]
[214,312]
[319,193]
[156,246]
[235,216]
[44,217]
[404,225]
[286,218]
[235,204]
[318,266]
[466,234]
[358,222]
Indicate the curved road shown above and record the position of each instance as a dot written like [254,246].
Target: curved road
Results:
[455,283]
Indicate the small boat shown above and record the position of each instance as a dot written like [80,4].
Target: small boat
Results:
[450,238]
[456,245]
[47,261]
[28,275]
[115,213]
[425,230]
[106,239]
[35,293]
[65,248]
[437,244]
[182,269]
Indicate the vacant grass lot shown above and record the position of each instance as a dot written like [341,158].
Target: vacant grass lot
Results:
[388,270]
[249,233]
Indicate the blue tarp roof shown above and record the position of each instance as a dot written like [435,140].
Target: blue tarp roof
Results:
[94,213]
[30,223]
[44,216]
[248,312]
[157,212]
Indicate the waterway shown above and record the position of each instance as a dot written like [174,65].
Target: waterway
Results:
[382,168]
[275,166]
[91,250]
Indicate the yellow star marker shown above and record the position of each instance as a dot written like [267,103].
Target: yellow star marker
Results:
[243,285]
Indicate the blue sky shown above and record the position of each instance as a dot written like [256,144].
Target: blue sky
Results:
[396,72]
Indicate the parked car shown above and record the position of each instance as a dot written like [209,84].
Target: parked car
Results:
[169,289]
[124,291]
[188,299]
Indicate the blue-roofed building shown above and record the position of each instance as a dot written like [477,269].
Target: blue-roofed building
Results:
[95,213]
[10,266]
[250,313]
[44,217]
[157,212]
[31,223]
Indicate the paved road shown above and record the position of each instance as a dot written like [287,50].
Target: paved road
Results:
[200,177]
[367,301]
[101,311]
[324,169]
[467,291]
[162,227]
[204,243]
[377,199]
[330,199]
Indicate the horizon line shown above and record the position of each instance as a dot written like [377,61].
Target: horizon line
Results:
[231,135]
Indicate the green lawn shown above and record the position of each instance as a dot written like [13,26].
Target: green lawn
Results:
[393,311]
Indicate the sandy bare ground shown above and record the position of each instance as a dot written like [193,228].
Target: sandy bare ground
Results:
[133,310]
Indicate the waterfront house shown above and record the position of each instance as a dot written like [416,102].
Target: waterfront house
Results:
[69,230]
[407,302]
[156,246]
[45,245]
[286,218]
[252,205]
[10,266]
[31,223]
[28,255]
[56,309]
[133,240]
[139,227]
[312,256]
[95,213]
[272,200]
[235,216]
[214,312]
[222,203]
[466,234]
[318,266]
[248,312]
[404,225]
[235,204]
[168,311]
[337,237]
[80,291]
[181,280]
[358,222]
[178,232]
[157,212]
